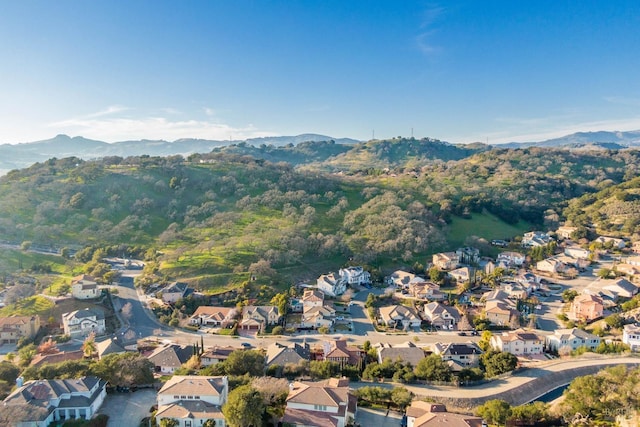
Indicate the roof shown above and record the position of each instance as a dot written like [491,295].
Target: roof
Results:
[430,414]
[302,417]
[313,295]
[407,313]
[194,385]
[171,355]
[457,348]
[63,356]
[213,312]
[332,392]
[86,313]
[218,353]
[567,334]
[282,354]
[406,352]
[108,346]
[175,287]
[339,349]
[519,335]
[189,409]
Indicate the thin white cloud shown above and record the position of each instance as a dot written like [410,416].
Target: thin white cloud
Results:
[113,129]
[423,40]
[622,100]
[112,109]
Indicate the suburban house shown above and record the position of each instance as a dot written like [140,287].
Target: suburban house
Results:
[81,323]
[406,352]
[500,312]
[127,338]
[512,259]
[427,414]
[355,276]
[85,287]
[462,274]
[312,298]
[586,307]
[461,355]
[15,327]
[631,337]
[399,316]
[441,316]
[169,357]
[621,287]
[173,292]
[571,339]
[340,352]
[565,232]
[535,238]
[445,260]
[193,399]
[576,251]
[327,403]
[613,241]
[282,355]
[215,355]
[579,263]
[61,356]
[317,317]
[402,279]
[257,317]
[468,255]
[425,290]
[331,284]
[108,346]
[213,316]
[518,342]
[514,290]
[551,266]
[41,403]
[628,270]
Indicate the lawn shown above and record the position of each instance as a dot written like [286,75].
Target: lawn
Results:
[483,225]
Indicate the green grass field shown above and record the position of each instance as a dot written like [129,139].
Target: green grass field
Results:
[483,225]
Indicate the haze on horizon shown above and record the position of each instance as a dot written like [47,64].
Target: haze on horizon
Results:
[461,71]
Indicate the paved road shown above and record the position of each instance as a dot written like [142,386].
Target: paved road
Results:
[128,409]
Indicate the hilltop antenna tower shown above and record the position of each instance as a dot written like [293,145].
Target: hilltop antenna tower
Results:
[373,134]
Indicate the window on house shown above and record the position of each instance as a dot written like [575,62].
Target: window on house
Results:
[320,407]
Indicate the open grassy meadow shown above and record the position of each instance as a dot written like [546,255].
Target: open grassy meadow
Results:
[483,225]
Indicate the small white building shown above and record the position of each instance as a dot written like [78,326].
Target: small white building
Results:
[80,323]
[518,343]
[85,287]
[511,258]
[193,399]
[355,276]
[331,284]
[631,337]
[571,339]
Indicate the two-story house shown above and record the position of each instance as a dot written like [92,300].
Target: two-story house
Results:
[421,289]
[173,292]
[468,255]
[445,260]
[193,399]
[511,259]
[355,275]
[282,355]
[535,238]
[570,340]
[576,251]
[213,316]
[257,318]
[442,316]
[81,323]
[85,287]
[399,316]
[586,308]
[427,414]
[565,232]
[331,284]
[340,352]
[15,327]
[406,352]
[324,403]
[459,355]
[401,279]
[169,357]
[43,402]
[631,337]
[518,343]
[216,354]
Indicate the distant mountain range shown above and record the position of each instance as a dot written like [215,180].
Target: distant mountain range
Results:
[19,156]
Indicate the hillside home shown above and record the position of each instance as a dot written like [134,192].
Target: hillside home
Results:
[586,308]
[576,251]
[108,346]
[169,357]
[621,287]
[331,284]
[215,355]
[282,355]
[399,316]
[565,232]
[579,263]
[441,316]
[500,312]
[486,266]
[59,357]
[355,276]
[462,355]
[406,352]
[614,242]
[327,403]
[15,327]
[340,352]
[192,400]
[445,260]
[317,317]
[528,280]
[85,287]
[462,274]
[570,340]
[427,414]
[468,255]
[213,316]
[631,337]
[257,318]
[173,292]
[425,290]
[518,343]
[41,403]
[401,279]
[535,238]
[632,260]
[551,266]
[511,259]
[312,298]
[80,323]
[514,290]
[628,270]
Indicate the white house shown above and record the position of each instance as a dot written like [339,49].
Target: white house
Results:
[173,292]
[576,251]
[571,339]
[445,260]
[401,279]
[81,323]
[535,238]
[442,316]
[213,316]
[399,316]
[551,265]
[613,241]
[322,403]
[331,284]
[84,287]
[41,403]
[631,337]
[464,355]
[511,258]
[193,399]
[565,232]
[518,342]
[355,275]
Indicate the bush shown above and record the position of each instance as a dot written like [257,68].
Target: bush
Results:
[277,330]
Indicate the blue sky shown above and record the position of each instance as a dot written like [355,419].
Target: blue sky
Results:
[460,71]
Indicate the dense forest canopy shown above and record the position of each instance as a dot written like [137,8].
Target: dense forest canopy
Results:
[220,212]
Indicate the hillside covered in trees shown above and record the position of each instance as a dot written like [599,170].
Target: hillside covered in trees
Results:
[303,208]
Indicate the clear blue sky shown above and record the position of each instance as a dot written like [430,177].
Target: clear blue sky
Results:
[460,71]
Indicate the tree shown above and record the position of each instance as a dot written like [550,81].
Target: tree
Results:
[281,301]
[169,422]
[569,295]
[530,413]
[240,362]
[433,368]
[494,411]
[89,345]
[48,347]
[498,362]
[401,397]
[125,369]
[26,354]
[8,372]
[244,407]
[485,340]
[209,423]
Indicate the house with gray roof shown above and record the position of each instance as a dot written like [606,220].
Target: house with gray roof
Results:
[407,352]
[170,357]
[571,339]
[281,354]
[80,323]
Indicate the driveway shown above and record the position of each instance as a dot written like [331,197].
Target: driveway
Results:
[370,417]
[128,409]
